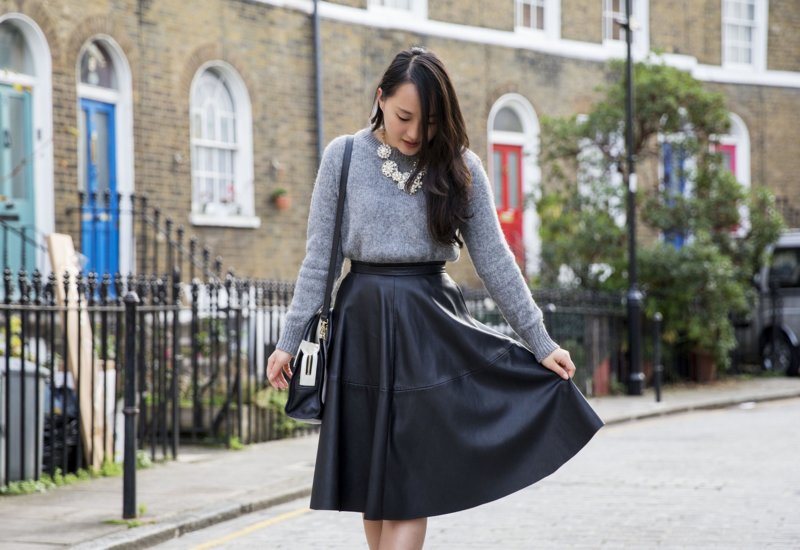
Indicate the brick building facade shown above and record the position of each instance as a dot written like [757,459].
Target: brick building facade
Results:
[209,107]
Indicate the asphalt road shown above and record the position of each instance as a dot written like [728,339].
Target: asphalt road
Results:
[727,478]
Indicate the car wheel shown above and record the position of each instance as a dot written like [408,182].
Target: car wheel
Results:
[787,357]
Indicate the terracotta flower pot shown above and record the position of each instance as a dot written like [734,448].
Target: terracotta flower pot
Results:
[703,367]
[282,202]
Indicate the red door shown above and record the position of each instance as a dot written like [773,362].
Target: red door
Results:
[728,153]
[507,164]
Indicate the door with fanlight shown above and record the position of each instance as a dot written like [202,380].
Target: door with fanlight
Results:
[509,200]
[100,215]
[728,153]
[17,201]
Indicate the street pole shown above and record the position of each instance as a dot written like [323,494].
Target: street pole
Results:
[636,377]
[131,409]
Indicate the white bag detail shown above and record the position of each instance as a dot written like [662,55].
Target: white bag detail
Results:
[308,368]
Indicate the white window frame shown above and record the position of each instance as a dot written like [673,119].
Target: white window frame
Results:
[641,33]
[552,20]
[608,23]
[243,159]
[418,9]
[759,43]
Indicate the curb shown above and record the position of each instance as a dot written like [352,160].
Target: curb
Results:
[711,405]
[146,536]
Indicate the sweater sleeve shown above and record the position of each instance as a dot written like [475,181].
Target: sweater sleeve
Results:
[309,291]
[495,265]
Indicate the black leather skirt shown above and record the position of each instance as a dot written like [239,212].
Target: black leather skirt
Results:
[427,410]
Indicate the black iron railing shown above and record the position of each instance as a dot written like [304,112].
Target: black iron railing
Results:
[589,324]
[200,358]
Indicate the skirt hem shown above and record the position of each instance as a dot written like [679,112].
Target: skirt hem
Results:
[486,498]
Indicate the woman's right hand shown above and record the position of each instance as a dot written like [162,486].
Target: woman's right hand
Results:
[279,369]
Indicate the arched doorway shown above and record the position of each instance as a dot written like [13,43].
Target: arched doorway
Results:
[514,171]
[26,152]
[104,155]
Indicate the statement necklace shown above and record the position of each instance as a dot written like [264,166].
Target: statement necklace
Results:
[391,171]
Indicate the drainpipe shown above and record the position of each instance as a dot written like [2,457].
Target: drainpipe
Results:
[318,79]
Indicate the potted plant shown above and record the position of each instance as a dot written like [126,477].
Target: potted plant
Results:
[280,198]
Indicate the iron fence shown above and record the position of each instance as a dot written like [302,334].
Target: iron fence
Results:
[199,354]
[200,360]
[591,325]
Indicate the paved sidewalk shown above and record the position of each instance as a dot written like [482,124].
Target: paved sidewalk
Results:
[206,486]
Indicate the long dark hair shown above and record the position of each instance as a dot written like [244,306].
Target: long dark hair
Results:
[448,181]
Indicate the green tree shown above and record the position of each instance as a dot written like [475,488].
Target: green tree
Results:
[724,229]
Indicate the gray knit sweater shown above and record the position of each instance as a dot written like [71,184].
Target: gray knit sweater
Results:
[382,223]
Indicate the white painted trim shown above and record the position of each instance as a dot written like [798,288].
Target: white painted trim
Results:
[42,85]
[761,23]
[551,24]
[244,140]
[510,138]
[419,10]
[11,78]
[247,222]
[122,99]
[531,172]
[571,49]
[552,19]
[641,33]
[726,75]
[739,136]
[641,37]
[105,95]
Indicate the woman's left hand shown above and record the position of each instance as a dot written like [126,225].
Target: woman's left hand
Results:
[560,363]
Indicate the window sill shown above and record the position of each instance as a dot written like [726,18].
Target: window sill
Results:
[243,222]
[536,34]
[616,45]
[741,67]
[415,13]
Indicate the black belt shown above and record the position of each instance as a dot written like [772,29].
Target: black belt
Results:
[405,268]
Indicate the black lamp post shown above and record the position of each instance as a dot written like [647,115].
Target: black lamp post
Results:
[636,377]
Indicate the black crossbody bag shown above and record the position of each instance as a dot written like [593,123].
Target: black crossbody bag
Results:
[306,401]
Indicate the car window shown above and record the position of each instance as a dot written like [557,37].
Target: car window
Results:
[785,267]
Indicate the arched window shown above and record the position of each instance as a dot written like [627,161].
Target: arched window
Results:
[506,120]
[26,157]
[15,56]
[221,138]
[105,154]
[515,174]
[97,67]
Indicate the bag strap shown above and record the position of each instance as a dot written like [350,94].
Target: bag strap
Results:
[337,231]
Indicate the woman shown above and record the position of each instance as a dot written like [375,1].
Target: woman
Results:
[427,410]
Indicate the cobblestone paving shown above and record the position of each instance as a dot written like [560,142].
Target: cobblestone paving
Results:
[716,479]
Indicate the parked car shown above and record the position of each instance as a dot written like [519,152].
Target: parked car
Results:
[771,334]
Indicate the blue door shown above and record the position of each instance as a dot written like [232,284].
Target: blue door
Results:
[17,222]
[100,216]
[674,158]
